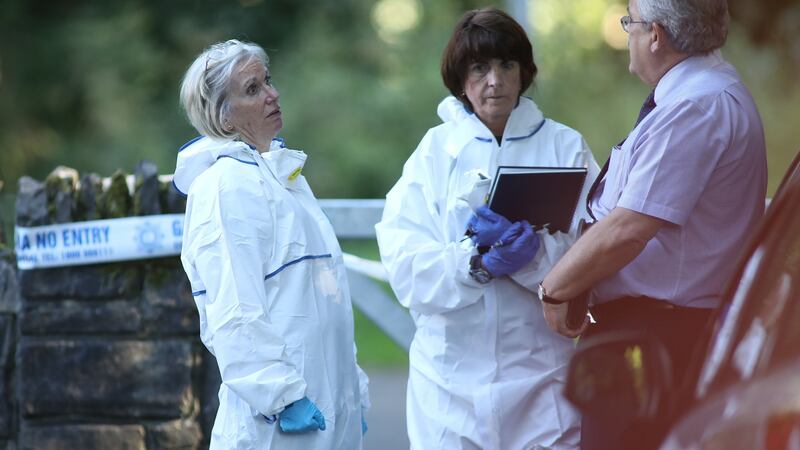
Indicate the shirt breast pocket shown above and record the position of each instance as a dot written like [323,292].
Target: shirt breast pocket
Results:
[617,176]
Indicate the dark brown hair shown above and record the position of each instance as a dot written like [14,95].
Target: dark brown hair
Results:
[481,35]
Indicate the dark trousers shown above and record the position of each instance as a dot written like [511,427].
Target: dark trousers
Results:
[681,330]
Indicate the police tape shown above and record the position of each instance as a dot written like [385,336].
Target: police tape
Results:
[98,241]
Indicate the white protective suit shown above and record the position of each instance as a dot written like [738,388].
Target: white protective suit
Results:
[270,285]
[486,372]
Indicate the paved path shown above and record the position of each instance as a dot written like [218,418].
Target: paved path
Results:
[387,417]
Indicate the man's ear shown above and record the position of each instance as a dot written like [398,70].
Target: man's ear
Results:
[658,37]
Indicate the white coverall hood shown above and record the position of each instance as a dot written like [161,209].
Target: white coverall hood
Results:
[202,152]
[451,109]
[485,369]
[270,285]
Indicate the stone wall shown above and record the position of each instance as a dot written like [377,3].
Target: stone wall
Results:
[104,356]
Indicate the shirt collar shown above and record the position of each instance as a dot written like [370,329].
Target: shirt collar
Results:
[679,72]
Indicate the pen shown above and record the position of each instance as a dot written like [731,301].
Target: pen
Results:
[540,227]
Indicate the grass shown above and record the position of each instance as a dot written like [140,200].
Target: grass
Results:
[375,349]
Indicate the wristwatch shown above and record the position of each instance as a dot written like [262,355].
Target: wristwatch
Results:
[477,271]
[547,299]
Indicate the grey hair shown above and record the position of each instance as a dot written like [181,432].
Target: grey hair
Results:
[204,90]
[693,26]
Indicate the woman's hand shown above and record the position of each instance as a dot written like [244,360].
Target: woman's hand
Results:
[485,227]
[515,248]
[301,416]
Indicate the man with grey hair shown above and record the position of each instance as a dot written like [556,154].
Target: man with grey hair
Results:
[675,203]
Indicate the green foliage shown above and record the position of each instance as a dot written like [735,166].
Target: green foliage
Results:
[365,103]
[95,86]
[770,22]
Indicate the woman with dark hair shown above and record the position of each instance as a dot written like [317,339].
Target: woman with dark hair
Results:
[485,370]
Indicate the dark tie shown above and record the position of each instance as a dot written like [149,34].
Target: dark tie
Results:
[647,106]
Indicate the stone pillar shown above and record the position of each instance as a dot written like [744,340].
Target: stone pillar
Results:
[104,356]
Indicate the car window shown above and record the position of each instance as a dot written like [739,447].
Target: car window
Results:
[761,328]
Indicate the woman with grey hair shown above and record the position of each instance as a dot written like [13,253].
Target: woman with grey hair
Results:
[266,270]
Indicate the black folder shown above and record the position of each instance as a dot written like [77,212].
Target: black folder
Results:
[544,196]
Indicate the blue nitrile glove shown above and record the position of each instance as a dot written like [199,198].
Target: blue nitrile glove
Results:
[301,416]
[515,248]
[486,226]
